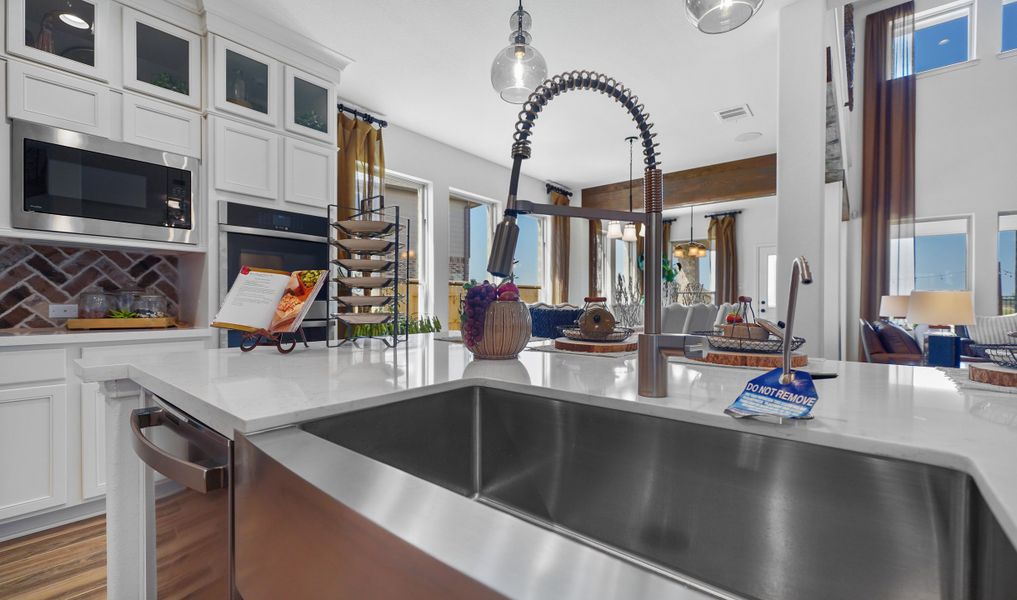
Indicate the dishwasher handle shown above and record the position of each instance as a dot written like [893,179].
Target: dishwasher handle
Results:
[195,476]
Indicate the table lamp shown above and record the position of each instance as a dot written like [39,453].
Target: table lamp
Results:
[942,310]
[894,307]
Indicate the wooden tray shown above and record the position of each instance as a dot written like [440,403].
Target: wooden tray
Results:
[564,343]
[137,323]
[993,374]
[753,359]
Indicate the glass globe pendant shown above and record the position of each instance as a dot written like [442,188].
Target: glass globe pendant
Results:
[720,16]
[519,68]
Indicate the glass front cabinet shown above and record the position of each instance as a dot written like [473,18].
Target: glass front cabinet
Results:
[310,105]
[73,35]
[161,59]
[245,82]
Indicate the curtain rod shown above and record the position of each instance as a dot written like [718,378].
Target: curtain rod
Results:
[551,187]
[363,116]
[722,214]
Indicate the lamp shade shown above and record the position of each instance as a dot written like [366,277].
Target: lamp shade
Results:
[941,308]
[629,232]
[614,230]
[894,307]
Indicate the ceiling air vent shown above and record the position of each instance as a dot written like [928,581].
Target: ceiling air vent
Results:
[730,115]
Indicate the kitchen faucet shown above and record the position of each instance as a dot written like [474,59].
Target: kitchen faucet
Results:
[654,346]
[800,272]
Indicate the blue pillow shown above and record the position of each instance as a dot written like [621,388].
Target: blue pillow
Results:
[547,320]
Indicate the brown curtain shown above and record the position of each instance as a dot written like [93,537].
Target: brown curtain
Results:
[888,150]
[596,250]
[560,244]
[722,236]
[361,152]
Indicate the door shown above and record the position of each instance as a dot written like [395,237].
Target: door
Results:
[766,282]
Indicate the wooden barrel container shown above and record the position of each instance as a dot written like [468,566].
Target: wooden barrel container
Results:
[506,331]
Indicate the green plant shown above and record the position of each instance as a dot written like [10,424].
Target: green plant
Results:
[411,325]
[122,314]
[168,81]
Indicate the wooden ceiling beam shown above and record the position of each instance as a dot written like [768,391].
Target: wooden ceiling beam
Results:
[736,180]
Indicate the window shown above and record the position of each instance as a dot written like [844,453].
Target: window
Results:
[1006,251]
[408,201]
[469,230]
[943,36]
[1009,25]
[623,264]
[530,251]
[935,259]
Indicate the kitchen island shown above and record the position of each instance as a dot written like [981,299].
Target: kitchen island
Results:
[903,413]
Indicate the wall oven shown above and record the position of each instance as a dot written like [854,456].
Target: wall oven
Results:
[78,183]
[254,236]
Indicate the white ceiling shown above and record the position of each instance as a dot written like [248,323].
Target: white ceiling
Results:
[425,65]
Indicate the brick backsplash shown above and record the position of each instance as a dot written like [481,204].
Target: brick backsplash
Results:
[33,276]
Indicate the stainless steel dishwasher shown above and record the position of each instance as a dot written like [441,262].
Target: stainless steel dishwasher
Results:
[192,507]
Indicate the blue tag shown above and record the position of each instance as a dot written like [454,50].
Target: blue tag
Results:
[766,395]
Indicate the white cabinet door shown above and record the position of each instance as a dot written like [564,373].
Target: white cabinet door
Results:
[246,159]
[33,449]
[161,59]
[51,98]
[75,37]
[161,126]
[309,176]
[93,441]
[245,82]
[310,105]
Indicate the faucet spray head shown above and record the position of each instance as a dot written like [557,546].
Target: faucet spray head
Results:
[503,248]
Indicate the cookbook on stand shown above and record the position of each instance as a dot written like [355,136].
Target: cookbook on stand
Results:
[269,300]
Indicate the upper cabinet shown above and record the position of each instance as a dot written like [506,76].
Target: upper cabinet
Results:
[70,34]
[245,82]
[161,59]
[310,105]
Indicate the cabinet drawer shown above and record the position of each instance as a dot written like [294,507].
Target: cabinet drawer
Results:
[246,159]
[128,350]
[33,449]
[161,126]
[43,96]
[32,366]
[309,176]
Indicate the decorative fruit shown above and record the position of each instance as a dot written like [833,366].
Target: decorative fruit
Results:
[478,298]
[733,318]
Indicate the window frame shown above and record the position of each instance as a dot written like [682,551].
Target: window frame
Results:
[945,13]
[1003,52]
[1005,221]
[425,231]
[493,213]
[968,231]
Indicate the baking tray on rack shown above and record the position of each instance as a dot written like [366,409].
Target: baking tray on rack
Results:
[365,246]
[363,300]
[365,282]
[365,265]
[364,318]
[366,228]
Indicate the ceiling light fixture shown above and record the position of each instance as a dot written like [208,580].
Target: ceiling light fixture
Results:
[748,136]
[519,68]
[720,16]
[693,249]
[74,20]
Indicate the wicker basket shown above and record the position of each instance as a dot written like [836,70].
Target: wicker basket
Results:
[506,331]
[745,331]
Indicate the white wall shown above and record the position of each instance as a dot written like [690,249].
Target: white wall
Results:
[966,121]
[441,167]
[755,227]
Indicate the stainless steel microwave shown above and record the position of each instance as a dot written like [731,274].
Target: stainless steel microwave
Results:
[78,183]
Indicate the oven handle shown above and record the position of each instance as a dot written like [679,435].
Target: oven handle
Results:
[197,477]
[289,235]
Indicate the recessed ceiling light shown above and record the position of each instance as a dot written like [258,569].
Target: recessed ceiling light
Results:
[748,136]
[74,21]
[944,41]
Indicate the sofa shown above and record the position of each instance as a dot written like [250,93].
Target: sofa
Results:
[678,318]
[987,332]
[888,344]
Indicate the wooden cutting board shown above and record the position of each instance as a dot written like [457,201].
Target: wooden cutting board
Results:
[993,374]
[751,359]
[156,323]
[564,343]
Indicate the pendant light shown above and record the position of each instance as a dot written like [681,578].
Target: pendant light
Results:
[519,68]
[629,233]
[720,16]
[693,249]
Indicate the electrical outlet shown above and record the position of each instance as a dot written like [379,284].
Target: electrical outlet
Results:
[63,311]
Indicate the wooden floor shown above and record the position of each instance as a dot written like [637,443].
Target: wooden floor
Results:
[67,562]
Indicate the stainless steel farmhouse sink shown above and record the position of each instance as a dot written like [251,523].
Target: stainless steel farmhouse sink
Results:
[736,514]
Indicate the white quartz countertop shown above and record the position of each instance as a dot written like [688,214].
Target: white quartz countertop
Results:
[895,411]
[58,336]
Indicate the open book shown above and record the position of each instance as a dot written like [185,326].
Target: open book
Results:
[269,300]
